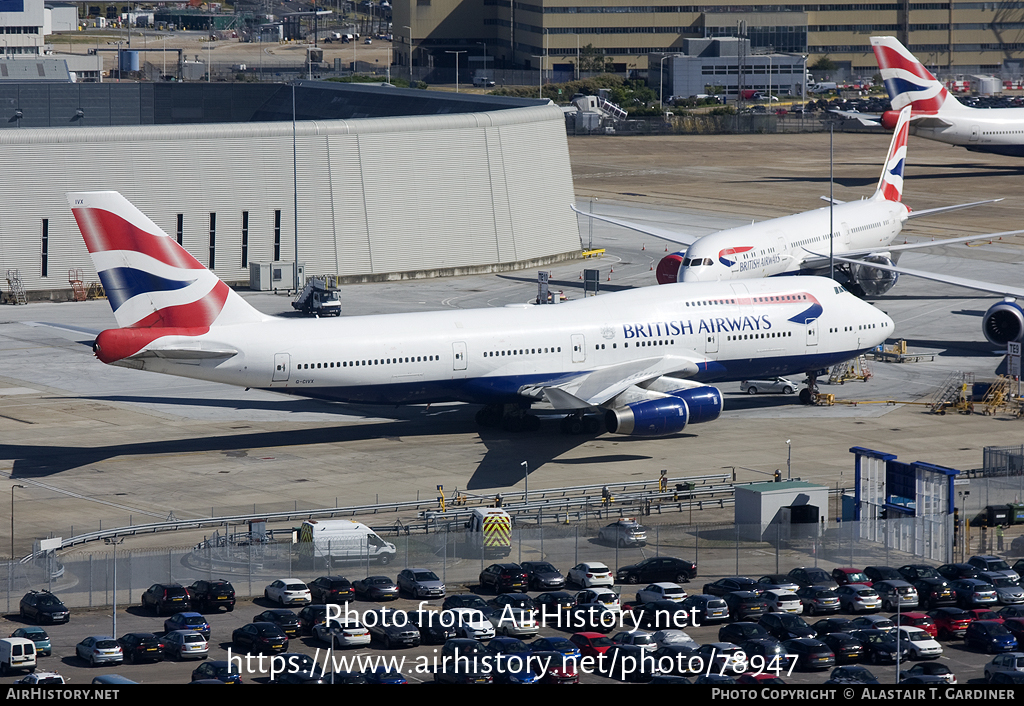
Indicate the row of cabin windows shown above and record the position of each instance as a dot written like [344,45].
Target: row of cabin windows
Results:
[522,351]
[375,361]
[767,334]
[758,300]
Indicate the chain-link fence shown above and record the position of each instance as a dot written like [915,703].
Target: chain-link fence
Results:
[457,556]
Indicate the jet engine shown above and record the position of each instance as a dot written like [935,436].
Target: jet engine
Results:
[666,415]
[668,269]
[867,281]
[1004,322]
[890,118]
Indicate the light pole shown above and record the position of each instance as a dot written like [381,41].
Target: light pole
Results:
[456,53]
[12,519]
[540,75]
[661,79]
[409,37]
[525,474]
[789,460]
[484,45]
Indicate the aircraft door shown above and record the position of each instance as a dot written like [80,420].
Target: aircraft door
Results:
[459,361]
[579,348]
[812,333]
[281,365]
[711,342]
[974,133]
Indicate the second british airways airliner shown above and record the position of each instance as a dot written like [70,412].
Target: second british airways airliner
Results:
[642,359]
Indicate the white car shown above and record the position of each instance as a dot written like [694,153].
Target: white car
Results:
[185,644]
[1007,662]
[590,573]
[600,595]
[783,601]
[640,638]
[921,644]
[513,622]
[288,592]
[665,591]
[665,638]
[41,678]
[469,623]
[752,387]
[343,633]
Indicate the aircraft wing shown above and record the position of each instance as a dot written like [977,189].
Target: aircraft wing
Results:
[866,119]
[817,259]
[598,387]
[663,233]
[990,287]
[945,209]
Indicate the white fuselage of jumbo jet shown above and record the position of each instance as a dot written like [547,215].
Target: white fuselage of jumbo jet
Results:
[1000,131]
[793,243]
[704,332]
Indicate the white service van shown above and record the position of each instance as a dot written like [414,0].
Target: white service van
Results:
[344,540]
[16,654]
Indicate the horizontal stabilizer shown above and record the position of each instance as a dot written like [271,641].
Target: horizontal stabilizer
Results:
[187,353]
[946,209]
[663,233]
[829,199]
[865,119]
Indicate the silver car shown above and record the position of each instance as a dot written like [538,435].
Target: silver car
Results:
[752,387]
[420,583]
[1008,592]
[624,533]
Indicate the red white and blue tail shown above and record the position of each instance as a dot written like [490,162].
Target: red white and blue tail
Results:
[908,82]
[155,287]
[890,184]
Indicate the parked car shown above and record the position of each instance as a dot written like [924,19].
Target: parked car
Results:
[391,628]
[420,583]
[331,589]
[1007,662]
[730,584]
[655,569]
[210,595]
[818,600]
[921,644]
[591,573]
[263,638]
[39,638]
[504,577]
[777,385]
[858,598]
[97,650]
[951,623]
[185,644]
[989,636]
[376,588]
[932,669]
[626,532]
[663,591]
[288,592]
[283,618]
[141,647]
[542,576]
[895,594]
[166,598]
[43,607]
[188,621]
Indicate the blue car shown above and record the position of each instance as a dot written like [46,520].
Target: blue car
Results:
[560,645]
[194,622]
[989,636]
[38,636]
[383,675]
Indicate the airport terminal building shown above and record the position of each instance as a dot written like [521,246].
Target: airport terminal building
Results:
[389,183]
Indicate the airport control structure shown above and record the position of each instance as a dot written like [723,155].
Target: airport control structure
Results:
[389,183]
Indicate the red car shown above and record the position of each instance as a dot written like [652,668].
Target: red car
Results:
[951,623]
[917,620]
[763,678]
[986,614]
[845,576]
[591,644]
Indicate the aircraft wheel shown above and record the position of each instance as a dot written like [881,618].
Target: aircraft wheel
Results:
[806,396]
[591,425]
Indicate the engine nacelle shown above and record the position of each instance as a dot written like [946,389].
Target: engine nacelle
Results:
[870,281]
[890,118]
[1004,323]
[668,269]
[705,403]
[666,415]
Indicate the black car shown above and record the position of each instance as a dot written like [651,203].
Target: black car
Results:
[504,577]
[852,675]
[657,569]
[913,572]
[626,663]
[881,646]
[167,598]
[739,632]
[593,617]
[376,588]
[141,647]
[542,576]
[552,605]
[44,607]
[260,637]
[810,653]
[331,589]
[391,628]
[464,600]
[664,615]
[210,595]
[310,616]
[812,576]
[721,587]
[829,625]
[844,646]
[952,572]
[219,669]
[882,573]
[282,618]
[786,626]
[518,601]
[934,592]
[428,622]
[745,605]
[771,652]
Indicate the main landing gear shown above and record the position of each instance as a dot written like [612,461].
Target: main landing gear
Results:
[809,395]
[579,423]
[510,417]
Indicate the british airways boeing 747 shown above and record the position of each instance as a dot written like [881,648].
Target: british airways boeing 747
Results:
[643,359]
